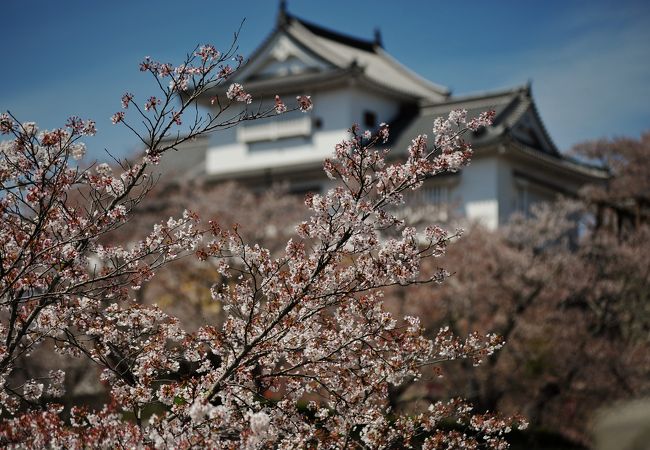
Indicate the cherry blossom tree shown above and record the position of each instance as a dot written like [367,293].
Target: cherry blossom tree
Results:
[306,353]
[623,202]
[569,298]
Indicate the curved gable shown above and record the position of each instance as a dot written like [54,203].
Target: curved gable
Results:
[279,56]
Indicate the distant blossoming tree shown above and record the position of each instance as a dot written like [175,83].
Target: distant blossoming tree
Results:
[567,287]
[306,353]
[624,201]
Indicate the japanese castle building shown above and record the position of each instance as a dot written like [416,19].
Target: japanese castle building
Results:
[353,80]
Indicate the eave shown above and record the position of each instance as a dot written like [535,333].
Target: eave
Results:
[589,173]
[309,82]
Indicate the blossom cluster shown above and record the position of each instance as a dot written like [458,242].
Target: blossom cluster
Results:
[205,71]
[53,265]
[237,92]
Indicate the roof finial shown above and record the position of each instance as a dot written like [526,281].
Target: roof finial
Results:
[282,13]
[378,42]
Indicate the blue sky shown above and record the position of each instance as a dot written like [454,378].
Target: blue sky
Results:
[589,61]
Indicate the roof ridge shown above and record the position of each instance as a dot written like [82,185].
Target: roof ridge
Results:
[482,95]
[300,32]
[369,45]
[443,90]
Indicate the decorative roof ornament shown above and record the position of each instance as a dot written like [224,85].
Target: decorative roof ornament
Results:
[282,19]
[378,41]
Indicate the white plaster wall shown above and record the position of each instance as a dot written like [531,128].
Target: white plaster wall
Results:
[384,107]
[507,190]
[477,192]
[336,110]
[224,158]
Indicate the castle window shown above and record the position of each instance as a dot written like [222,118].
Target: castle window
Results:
[522,204]
[369,119]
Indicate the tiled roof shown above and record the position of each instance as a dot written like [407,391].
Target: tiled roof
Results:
[509,106]
[342,52]
[379,66]
[326,33]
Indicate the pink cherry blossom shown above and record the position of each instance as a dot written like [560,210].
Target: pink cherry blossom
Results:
[117,117]
[126,99]
[236,92]
[280,107]
[152,103]
[304,103]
